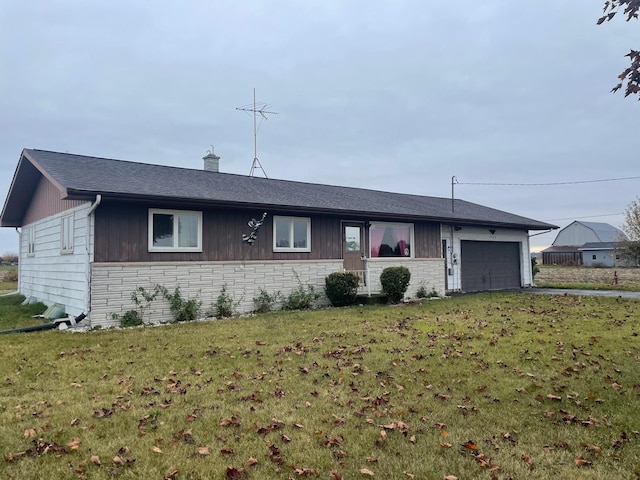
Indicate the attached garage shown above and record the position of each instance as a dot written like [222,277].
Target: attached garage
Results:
[489,265]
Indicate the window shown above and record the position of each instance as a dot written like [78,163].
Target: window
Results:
[175,231]
[391,239]
[66,234]
[291,234]
[31,247]
[593,257]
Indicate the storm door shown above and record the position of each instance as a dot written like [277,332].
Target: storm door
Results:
[353,248]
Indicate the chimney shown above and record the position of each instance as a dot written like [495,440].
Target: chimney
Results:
[211,161]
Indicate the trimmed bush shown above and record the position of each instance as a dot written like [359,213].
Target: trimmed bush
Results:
[342,288]
[395,281]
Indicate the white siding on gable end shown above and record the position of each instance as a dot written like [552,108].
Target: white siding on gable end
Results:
[51,275]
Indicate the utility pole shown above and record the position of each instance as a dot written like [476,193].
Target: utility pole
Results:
[454,180]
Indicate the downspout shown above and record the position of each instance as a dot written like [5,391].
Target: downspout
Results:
[19,232]
[87,239]
[47,326]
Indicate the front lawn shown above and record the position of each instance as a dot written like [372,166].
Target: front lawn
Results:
[13,315]
[507,385]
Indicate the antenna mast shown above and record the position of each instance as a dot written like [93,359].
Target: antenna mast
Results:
[261,109]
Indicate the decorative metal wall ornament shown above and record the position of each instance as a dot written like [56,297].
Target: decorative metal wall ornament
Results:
[255,226]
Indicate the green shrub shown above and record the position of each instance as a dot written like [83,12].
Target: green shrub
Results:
[225,305]
[423,293]
[534,267]
[131,318]
[342,288]
[265,301]
[395,281]
[301,298]
[183,310]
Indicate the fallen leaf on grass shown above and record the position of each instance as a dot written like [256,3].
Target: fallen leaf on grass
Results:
[236,473]
[470,445]
[306,472]
[581,462]
[366,471]
[30,432]
[156,449]
[527,459]
[172,474]
[74,444]
[252,462]
[95,459]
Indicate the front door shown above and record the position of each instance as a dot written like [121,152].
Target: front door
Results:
[353,247]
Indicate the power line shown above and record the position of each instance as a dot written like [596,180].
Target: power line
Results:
[547,184]
[588,216]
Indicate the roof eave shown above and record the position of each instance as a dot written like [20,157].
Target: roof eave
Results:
[87,195]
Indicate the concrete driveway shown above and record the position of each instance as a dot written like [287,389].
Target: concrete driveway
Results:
[596,293]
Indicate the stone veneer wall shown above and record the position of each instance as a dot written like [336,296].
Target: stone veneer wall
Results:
[113,283]
[425,272]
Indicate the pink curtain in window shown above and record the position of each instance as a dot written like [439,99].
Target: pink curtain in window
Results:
[376,240]
[401,237]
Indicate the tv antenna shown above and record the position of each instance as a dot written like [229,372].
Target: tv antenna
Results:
[256,109]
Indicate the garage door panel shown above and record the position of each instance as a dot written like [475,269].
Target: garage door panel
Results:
[490,265]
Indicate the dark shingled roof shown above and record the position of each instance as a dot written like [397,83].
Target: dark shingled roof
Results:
[80,177]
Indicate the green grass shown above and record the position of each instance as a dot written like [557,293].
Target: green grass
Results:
[13,315]
[531,384]
[589,286]
[7,287]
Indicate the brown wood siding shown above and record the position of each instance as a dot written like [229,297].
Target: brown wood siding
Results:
[121,235]
[46,201]
[427,238]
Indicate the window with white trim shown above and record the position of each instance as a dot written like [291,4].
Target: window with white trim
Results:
[66,234]
[291,234]
[390,240]
[175,230]
[31,241]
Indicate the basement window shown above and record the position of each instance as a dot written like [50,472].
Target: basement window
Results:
[291,234]
[66,234]
[175,231]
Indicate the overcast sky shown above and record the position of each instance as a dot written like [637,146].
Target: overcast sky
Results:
[393,95]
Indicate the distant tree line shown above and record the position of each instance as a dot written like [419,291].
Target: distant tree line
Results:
[9,258]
